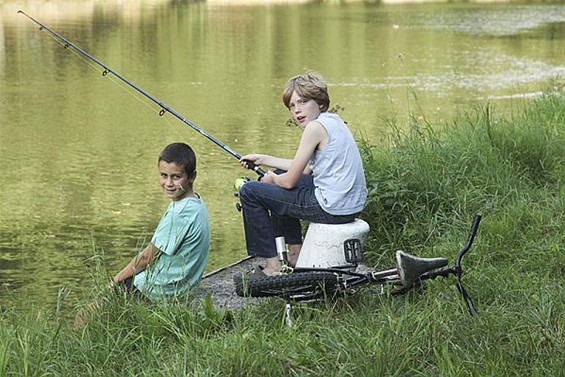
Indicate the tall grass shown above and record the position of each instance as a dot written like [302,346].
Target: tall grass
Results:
[428,181]
[425,187]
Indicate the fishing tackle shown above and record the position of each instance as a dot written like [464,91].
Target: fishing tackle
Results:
[238,183]
[164,108]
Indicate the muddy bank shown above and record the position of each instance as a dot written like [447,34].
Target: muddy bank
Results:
[219,284]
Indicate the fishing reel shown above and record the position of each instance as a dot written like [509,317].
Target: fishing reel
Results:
[238,183]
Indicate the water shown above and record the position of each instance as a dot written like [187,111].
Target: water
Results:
[78,149]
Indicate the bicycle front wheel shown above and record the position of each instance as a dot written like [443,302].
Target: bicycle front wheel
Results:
[298,286]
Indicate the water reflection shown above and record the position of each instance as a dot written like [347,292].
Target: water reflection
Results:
[78,150]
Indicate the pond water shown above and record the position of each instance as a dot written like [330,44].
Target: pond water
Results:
[78,150]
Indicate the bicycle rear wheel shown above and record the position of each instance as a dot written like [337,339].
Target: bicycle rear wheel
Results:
[298,286]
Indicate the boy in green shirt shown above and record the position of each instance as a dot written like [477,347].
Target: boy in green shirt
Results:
[173,262]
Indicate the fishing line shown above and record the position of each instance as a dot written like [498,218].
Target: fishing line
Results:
[119,83]
[163,107]
[122,85]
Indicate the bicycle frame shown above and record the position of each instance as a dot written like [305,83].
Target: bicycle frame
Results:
[303,284]
[391,275]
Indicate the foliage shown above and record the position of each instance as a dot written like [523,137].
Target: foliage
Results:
[427,182]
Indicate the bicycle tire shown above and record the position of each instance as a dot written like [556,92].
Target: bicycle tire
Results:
[298,286]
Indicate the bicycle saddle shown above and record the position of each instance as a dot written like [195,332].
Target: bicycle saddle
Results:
[410,267]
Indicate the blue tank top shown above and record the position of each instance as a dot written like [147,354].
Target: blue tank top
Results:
[338,172]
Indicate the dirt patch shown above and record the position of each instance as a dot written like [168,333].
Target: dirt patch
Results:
[220,285]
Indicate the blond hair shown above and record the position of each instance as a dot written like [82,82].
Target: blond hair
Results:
[309,85]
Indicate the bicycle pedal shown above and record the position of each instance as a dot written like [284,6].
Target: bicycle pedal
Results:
[286,269]
[353,250]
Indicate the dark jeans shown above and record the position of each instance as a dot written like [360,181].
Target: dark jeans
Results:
[271,211]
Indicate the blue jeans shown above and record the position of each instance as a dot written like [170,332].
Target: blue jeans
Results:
[270,211]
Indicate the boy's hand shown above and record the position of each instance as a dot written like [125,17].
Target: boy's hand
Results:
[253,158]
[269,177]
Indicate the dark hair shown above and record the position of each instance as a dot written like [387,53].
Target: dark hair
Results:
[310,85]
[181,154]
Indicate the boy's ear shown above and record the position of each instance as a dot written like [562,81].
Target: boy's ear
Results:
[192,178]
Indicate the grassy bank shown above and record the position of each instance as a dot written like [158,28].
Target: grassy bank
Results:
[425,187]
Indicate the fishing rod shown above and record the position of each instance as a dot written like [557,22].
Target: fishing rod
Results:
[163,106]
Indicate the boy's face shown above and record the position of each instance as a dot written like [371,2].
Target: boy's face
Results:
[176,184]
[303,110]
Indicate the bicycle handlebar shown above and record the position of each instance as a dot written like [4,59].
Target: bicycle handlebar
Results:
[470,239]
[457,270]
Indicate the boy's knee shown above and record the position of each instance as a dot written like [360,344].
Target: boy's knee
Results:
[248,190]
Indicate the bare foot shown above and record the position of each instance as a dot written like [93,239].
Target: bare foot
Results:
[272,267]
[293,254]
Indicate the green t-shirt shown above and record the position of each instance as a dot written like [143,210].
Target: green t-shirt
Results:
[183,237]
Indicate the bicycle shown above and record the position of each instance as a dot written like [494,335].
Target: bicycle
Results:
[409,273]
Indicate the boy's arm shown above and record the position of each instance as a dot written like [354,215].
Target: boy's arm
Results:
[313,135]
[137,264]
[266,160]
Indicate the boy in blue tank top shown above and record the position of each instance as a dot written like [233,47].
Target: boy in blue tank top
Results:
[173,262]
[323,183]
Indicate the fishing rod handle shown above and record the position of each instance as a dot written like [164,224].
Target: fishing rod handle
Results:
[250,165]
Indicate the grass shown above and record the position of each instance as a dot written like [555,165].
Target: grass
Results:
[425,187]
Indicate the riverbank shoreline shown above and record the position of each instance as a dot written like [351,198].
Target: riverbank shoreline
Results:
[220,286]
[508,169]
